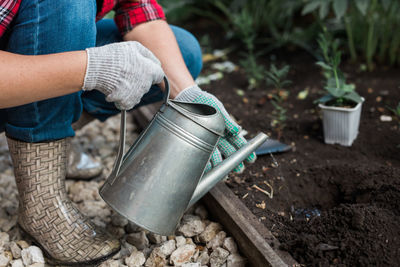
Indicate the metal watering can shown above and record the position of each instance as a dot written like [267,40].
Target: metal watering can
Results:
[162,174]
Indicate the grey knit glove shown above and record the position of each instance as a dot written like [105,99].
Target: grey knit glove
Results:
[232,140]
[124,72]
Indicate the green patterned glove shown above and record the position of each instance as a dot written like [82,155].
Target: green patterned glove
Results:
[231,141]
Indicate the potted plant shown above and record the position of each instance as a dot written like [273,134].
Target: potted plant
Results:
[341,105]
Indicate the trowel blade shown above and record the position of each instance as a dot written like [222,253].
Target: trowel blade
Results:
[272,146]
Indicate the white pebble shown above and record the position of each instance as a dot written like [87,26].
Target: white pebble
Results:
[217,241]
[32,255]
[182,254]
[135,259]
[210,232]
[180,240]
[191,225]
[17,263]
[191,264]
[218,257]
[230,245]
[204,258]
[5,258]
[386,118]
[168,247]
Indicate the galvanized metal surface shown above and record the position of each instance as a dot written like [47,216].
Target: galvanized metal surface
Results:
[153,184]
[254,238]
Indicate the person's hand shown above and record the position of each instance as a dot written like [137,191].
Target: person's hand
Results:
[232,140]
[124,72]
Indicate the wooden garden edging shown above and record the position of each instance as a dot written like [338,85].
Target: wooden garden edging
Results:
[253,237]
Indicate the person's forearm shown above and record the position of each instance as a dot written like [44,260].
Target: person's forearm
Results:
[25,79]
[158,37]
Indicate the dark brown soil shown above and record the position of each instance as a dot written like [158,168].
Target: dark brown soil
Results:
[332,205]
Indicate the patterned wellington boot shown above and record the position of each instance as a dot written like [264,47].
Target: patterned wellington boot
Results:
[45,212]
[81,165]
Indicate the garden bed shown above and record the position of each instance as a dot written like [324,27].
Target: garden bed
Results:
[331,205]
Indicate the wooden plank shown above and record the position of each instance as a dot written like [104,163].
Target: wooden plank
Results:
[253,237]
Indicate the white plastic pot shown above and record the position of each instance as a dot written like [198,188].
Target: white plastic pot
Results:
[341,124]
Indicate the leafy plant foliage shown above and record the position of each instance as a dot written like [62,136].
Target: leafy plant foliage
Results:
[277,77]
[368,25]
[339,93]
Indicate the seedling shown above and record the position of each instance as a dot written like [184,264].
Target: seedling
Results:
[339,93]
[254,71]
[278,116]
[277,77]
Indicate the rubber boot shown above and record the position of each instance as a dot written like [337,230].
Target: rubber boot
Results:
[45,212]
[81,165]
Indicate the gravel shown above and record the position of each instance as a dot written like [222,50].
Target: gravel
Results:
[198,241]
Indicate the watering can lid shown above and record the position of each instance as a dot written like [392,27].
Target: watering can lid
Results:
[213,121]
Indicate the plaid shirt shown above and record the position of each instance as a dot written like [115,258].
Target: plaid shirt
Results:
[127,13]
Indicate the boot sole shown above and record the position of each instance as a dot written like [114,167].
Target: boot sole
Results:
[54,261]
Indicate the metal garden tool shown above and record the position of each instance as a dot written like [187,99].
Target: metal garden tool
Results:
[162,174]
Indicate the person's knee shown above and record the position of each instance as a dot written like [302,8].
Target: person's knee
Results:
[190,49]
[76,27]
[77,20]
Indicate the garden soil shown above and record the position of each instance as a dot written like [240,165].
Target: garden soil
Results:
[331,205]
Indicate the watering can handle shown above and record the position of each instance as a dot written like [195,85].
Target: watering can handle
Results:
[122,136]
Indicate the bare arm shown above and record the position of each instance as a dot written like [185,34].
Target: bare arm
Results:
[163,44]
[25,79]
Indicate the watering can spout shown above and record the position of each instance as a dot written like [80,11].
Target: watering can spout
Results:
[210,179]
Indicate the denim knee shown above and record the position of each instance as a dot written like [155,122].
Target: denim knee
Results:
[44,27]
[190,49]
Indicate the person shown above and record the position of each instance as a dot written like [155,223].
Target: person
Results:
[56,51]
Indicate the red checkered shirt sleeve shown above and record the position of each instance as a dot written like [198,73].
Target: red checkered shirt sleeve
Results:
[8,9]
[129,14]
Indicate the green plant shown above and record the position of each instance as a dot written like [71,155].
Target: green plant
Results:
[339,93]
[245,20]
[261,25]
[253,70]
[180,11]
[368,26]
[277,77]
[278,115]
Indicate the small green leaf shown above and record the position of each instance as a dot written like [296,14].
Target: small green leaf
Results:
[310,7]
[362,6]
[324,9]
[324,65]
[286,83]
[339,7]
[325,98]
[336,92]
[331,82]
[348,87]
[353,96]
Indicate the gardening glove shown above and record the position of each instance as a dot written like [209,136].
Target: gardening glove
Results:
[231,141]
[124,72]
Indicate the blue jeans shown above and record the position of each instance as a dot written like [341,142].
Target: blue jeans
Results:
[48,26]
